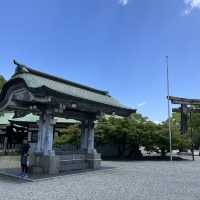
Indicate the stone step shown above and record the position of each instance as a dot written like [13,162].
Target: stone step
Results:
[73,161]
[72,157]
[66,165]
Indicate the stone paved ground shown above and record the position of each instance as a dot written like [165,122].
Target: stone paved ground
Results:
[128,181]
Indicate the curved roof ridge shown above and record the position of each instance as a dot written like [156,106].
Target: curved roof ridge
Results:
[24,69]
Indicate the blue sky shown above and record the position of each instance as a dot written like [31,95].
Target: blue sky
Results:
[115,45]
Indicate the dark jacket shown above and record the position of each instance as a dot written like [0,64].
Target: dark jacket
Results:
[25,148]
[24,153]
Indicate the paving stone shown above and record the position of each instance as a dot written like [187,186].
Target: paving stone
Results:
[137,180]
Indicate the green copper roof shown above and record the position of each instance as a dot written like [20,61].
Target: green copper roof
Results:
[5,117]
[35,79]
[30,118]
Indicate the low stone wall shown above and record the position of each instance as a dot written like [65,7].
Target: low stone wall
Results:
[72,162]
[93,160]
[7,162]
[108,150]
[63,163]
[41,164]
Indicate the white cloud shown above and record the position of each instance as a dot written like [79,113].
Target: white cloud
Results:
[123,2]
[191,4]
[141,104]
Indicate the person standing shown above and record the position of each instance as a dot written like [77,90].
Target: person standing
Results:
[24,158]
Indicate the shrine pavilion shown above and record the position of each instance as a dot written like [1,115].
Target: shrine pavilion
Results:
[31,91]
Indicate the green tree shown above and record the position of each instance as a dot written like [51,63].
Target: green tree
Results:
[128,134]
[2,82]
[112,131]
[194,127]
[178,141]
[70,135]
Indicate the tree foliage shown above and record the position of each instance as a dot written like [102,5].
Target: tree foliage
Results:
[194,127]
[130,134]
[69,135]
[137,131]
[2,82]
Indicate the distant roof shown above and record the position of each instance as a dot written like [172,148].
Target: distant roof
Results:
[37,79]
[7,117]
[31,118]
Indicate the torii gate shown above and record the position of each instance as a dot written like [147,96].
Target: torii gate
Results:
[185,109]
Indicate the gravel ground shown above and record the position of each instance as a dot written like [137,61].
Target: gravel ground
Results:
[137,180]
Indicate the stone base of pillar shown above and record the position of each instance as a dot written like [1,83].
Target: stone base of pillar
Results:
[93,160]
[43,164]
[92,151]
[53,165]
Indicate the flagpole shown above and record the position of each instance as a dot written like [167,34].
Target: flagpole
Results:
[169,112]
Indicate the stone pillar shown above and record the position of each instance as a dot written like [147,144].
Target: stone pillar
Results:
[90,136]
[49,128]
[29,136]
[93,158]
[45,134]
[87,136]
[84,135]
[44,160]
[40,134]
[5,145]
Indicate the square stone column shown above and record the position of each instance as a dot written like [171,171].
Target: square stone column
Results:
[84,136]
[40,134]
[92,157]
[44,160]
[45,134]
[90,137]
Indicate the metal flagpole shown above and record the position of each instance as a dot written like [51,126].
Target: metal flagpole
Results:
[191,130]
[169,112]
